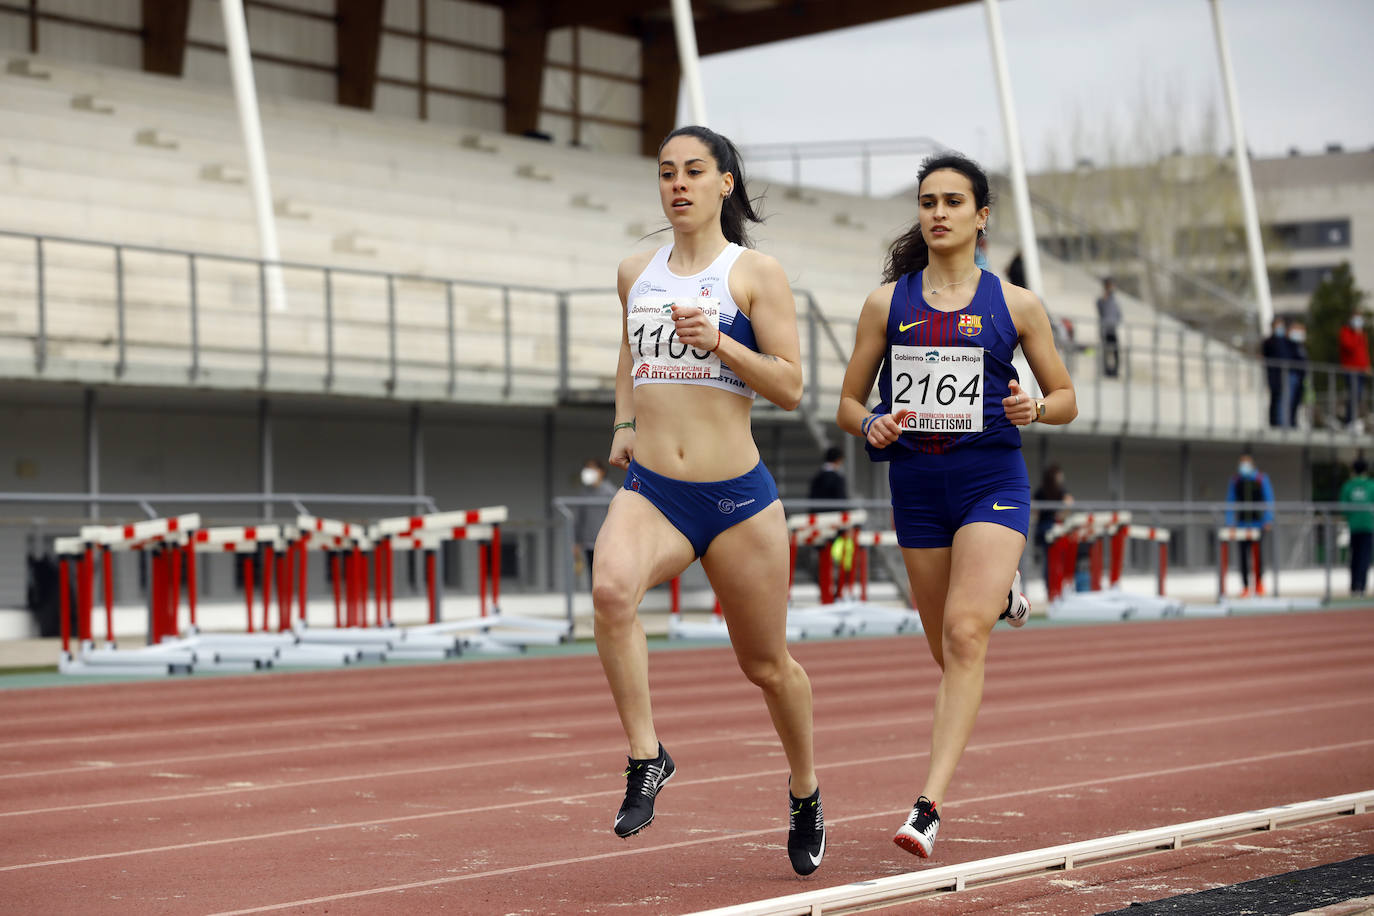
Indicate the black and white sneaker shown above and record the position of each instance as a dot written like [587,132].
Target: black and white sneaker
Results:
[1018,605]
[917,835]
[643,780]
[805,832]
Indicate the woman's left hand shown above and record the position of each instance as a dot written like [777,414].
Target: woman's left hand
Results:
[694,328]
[1019,406]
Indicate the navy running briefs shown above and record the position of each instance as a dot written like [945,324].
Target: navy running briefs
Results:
[701,510]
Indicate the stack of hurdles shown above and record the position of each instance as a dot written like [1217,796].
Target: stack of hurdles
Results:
[353,550]
[844,607]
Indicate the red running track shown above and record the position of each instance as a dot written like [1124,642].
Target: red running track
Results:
[490,787]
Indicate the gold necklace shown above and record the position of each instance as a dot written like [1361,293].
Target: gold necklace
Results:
[935,290]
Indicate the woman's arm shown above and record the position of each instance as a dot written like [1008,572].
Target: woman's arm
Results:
[870,345]
[623,438]
[1037,343]
[775,370]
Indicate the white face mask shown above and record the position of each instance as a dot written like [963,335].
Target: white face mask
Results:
[1357,322]
[590,477]
[1298,336]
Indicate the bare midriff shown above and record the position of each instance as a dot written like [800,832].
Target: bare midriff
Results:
[691,432]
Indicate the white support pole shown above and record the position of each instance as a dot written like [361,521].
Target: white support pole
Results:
[1020,192]
[250,121]
[689,60]
[1259,270]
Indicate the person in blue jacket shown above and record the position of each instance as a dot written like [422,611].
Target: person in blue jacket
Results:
[1252,497]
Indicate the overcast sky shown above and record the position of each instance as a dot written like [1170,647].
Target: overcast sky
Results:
[1304,71]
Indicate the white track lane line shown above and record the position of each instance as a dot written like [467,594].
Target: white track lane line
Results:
[861,761]
[874,723]
[740,835]
[444,699]
[1096,698]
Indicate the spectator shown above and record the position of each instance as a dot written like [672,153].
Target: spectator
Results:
[1359,489]
[829,482]
[1051,490]
[1354,347]
[1016,271]
[1108,321]
[1276,351]
[1297,370]
[1252,497]
[587,519]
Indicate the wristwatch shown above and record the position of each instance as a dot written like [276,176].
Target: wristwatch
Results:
[1040,409]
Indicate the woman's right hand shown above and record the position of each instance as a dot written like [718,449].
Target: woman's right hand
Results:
[883,431]
[622,448]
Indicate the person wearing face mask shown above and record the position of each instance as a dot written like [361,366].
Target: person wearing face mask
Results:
[1297,369]
[1252,498]
[1354,345]
[1359,489]
[1276,349]
[587,519]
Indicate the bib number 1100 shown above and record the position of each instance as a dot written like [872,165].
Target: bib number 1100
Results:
[656,338]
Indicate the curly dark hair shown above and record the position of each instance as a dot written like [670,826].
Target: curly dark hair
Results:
[909,252]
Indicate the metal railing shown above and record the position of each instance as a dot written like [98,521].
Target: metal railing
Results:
[101,312]
[1300,545]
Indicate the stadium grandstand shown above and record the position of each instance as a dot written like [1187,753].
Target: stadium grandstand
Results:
[375,284]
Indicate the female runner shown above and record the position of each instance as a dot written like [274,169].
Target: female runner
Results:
[709,323]
[939,335]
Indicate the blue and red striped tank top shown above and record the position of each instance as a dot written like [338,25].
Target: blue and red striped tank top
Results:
[984,323]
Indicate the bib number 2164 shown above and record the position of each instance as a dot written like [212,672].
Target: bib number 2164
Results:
[937,389]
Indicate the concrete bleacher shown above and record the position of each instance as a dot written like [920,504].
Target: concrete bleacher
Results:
[142,160]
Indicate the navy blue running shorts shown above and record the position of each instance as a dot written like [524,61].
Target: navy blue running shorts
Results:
[934,496]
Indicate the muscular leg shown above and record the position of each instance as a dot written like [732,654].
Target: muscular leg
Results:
[747,566]
[980,568]
[636,549]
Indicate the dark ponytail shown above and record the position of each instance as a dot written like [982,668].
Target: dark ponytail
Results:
[737,210]
[909,253]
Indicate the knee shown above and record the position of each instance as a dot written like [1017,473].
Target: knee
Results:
[965,642]
[769,674]
[613,597]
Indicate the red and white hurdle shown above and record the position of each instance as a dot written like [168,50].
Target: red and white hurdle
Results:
[1104,532]
[1241,536]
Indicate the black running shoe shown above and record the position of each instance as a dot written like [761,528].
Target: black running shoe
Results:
[643,779]
[917,835]
[805,832]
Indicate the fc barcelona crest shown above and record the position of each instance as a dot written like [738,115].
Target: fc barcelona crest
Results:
[970,325]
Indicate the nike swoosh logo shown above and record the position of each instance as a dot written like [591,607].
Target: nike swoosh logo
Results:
[816,857]
[618,820]
[908,327]
[999,507]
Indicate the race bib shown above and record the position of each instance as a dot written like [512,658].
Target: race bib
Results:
[657,352]
[937,389]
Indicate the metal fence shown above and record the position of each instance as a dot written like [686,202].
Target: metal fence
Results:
[1303,547]
[95,312]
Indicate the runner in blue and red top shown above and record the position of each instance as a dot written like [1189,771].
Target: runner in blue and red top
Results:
[938,337]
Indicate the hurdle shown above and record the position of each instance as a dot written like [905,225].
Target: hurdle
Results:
[1225,536]
[247,541]
[164,540]
[482,526]
[1113,529]
[841,608]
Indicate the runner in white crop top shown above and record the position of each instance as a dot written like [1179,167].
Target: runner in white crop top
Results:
[708,323]
[658,355]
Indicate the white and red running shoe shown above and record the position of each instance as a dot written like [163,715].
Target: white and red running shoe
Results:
[1018,605]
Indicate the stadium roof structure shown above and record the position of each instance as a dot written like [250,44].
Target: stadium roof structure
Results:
[721,25]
